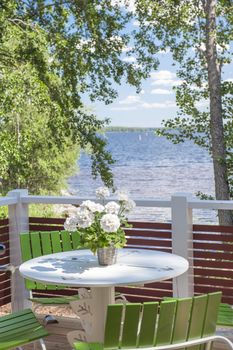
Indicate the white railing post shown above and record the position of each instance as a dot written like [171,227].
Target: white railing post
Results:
[182,242]
[18,223]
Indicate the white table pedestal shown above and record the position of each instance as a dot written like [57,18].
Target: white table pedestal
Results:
[92,310]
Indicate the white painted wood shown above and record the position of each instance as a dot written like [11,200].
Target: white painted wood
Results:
[191,343]
[18,222]
[92,313]
[182,243]
[81,268]
[163,203]
[7,201]
[79,200]
[210,204]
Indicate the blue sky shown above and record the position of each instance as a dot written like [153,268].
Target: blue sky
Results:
[156,100]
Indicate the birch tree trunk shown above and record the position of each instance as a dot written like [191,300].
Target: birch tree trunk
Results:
[216,116]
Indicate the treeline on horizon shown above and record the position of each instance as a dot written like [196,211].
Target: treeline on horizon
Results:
[128,128]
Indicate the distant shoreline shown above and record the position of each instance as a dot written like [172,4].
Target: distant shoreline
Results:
[125,128]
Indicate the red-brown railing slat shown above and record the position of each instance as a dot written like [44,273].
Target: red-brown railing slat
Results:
[213,237]
[212,281]
[213,255]
[47,221]
[5,282]
[213,228]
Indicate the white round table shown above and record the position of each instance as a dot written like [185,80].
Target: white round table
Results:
[81,269]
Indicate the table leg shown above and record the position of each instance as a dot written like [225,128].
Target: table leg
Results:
[92,309]
[102,297]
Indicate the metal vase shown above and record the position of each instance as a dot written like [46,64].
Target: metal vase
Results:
[107,256]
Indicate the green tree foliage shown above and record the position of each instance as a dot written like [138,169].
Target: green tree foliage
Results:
[51,53]
[198,35]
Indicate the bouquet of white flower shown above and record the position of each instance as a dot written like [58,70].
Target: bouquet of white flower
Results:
[100,225]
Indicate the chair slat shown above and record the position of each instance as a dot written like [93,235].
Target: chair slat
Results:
[66,241]
[56,242]
[30,284]
[113,326]
[213,303]
[165,322]
[23,338]
[75,240]
[35,244]
[15,315]
[18,327]
[130,326]
[181,321]
[148,322]
[197,317]
[17,320]
[25,246]
[46,242]
[225,315]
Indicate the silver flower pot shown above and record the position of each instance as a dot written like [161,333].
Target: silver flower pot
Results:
[107,256]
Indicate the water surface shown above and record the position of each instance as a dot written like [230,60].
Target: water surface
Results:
[151,167]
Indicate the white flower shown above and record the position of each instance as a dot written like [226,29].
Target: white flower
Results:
[70,224]
[112,208]
[85,218]
[129,205]
[110,222]
[102,192]
[92,206]
[122,195]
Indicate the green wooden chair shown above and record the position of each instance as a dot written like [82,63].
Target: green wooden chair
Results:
[172,324]
[20,328]
[225,314]
[35,244]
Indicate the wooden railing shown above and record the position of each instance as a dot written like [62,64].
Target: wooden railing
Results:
[213,260]
[212,257]
[5,283]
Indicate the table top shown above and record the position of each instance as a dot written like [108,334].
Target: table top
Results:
[81,268]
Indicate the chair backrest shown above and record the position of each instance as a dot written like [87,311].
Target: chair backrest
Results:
[153,324]
[35,244]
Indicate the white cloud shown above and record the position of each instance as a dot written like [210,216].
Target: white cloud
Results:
[131,99]
[142,92]
[230,80]
[164,78]
[161,92]
[133,102]
[130,59]
[123,108]
[163,75]
[155,105]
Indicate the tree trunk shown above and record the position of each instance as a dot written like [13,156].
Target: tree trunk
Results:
[216,117]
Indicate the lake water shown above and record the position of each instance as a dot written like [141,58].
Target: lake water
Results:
[151,167]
